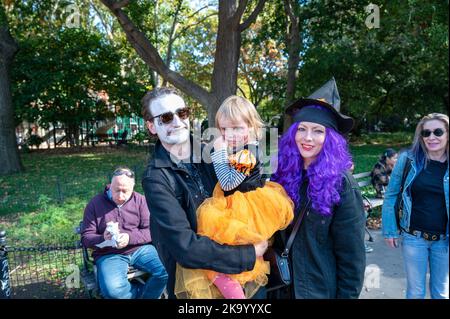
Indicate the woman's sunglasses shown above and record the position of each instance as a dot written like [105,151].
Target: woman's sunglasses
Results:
[167,118]
[437,132]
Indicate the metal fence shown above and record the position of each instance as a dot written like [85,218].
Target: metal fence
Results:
[41,272]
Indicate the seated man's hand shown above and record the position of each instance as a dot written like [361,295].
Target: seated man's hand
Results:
[107,235]
[123,240]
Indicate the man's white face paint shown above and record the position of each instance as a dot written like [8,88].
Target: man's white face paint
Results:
[177,131]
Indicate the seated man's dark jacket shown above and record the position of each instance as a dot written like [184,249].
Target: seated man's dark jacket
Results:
[173,198]
[133,218]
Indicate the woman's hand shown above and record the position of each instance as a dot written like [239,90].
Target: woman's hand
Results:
[391,242]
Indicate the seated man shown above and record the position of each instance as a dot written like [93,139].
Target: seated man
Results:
[120,204]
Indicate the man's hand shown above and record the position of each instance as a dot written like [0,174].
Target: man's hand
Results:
[122,240]
[260,248]
[220,143]
[107,235]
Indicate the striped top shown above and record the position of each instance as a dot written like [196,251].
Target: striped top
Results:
[240,171]
[229,177]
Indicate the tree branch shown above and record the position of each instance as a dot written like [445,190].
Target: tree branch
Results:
[240,10]
[242,91]
[183,31]
[195,13]
[252,17]
[172,32]
[120,4]
[151,57]
[109,31]
[289,10]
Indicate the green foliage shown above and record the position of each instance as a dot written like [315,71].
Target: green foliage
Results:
[403,65]
[60,72]
[263,61]
[59,83]
[141,137]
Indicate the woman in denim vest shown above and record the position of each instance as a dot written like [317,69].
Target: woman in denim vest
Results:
[424,222]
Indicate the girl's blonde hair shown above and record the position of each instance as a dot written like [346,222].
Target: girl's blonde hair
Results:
[418,143]
[235,108]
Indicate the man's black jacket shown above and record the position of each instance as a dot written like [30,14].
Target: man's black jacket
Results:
[173,197]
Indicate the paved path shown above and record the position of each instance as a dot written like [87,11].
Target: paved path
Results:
[385,275]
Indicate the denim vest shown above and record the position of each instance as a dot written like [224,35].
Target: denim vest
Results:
[390,229]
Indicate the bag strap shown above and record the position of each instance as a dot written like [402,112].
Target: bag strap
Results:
[298,222]
[405,173]
[406,170]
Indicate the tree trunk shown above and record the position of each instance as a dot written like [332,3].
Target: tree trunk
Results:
[9,154]
[226,59]
[294,46]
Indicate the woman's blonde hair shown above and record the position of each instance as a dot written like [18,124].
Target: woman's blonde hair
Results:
[235,108]
[418,143]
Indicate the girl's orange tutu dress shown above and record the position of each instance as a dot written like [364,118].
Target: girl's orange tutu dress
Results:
[247,214]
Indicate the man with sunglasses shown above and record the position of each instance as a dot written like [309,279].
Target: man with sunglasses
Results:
[175,184]
[120,204]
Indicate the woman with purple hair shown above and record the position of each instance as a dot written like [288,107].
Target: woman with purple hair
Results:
[327,255]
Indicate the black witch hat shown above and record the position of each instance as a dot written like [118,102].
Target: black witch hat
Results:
[328,97]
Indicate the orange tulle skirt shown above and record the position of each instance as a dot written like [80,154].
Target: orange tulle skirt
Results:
[238,219]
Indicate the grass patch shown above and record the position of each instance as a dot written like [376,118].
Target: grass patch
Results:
[45,203]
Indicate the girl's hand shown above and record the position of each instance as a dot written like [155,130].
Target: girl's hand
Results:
[220,143]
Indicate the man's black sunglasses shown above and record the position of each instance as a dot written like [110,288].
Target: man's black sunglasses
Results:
[437,132]
[167,118]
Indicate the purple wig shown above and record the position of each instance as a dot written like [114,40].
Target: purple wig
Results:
[324,174]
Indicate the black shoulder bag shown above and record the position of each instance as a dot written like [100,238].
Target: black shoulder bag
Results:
[280,268]
[398,207]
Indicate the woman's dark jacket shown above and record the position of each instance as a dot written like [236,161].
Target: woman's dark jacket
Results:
[328,255]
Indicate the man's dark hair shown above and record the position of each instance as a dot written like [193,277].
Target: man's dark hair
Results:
[152,95]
